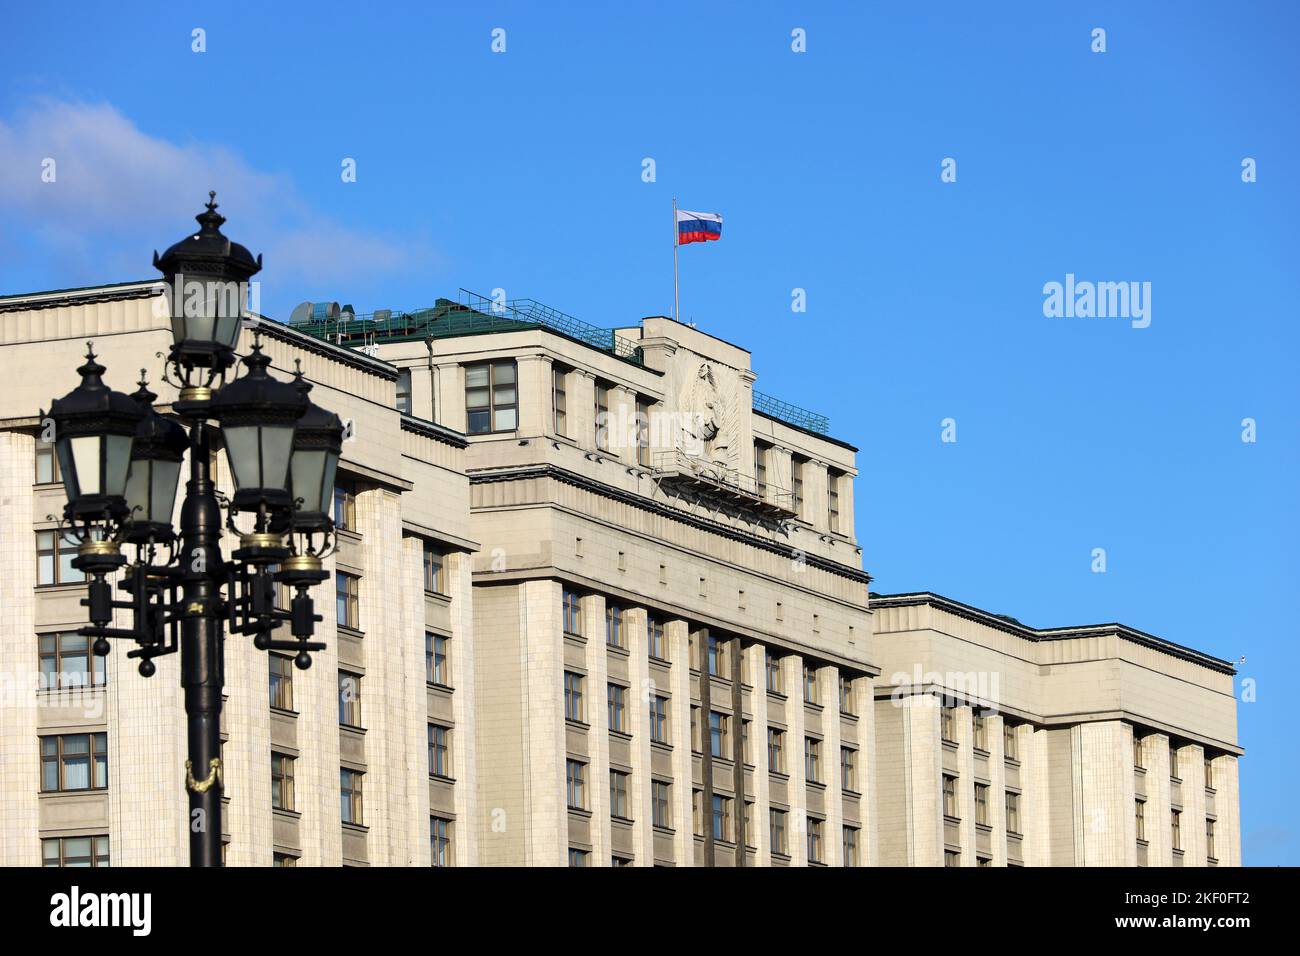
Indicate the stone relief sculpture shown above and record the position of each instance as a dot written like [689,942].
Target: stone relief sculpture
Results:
[711,422]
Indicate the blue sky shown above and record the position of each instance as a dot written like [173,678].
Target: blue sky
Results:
[523,170]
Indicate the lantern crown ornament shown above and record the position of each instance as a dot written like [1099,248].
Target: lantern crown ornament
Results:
[207,279]
[155,472]
[94,428]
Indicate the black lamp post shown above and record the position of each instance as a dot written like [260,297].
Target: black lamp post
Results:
[121,464]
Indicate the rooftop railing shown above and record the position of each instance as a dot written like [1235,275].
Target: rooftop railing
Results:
[791,414]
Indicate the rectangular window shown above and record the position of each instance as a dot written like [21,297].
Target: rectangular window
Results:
[440,751]
[618,806]
[981,804]
[439,841]
[78,851]
[851,846]
[350,805]
[847,703]
[54,558]
[281,678]
[1010,741]
[722,825]
[67,662]
[951,858]
[659,719]
[809,685]
[661,804]
[579,858]
[277,859]
[434,570]
[981,733]
[773,667]
[643,433]
[796,482]
[697,821]
[602,416]
[575,776]
[717,655]
[658,639]
[849,769]
[491,401]
[349,699]
[1138,763]
[574,708]
[345,507]
[437,669]
[777,830]
[572,613]
[1209,773]
[948,724]
[695,729]
[1176,829]
[74,762]
[776,750]
[615,631]
[281,781]
[1013,812]
[346,589]
[760,469]
[814,840]
[617,699]
[1209,839]
[560,399]
[47,464]
[404,391]
[812,760]
[950,796]
[719,734]
[1140,814]
[1174,767]
[833,499]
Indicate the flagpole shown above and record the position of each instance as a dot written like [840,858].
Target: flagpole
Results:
[676,304]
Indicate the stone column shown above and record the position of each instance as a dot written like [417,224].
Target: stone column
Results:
[868,811]
[814,494]
[1159,826]
[755,667]
[828,688]
[582,408]
[963,718]
[1035,803]
[796,732]
[640,697]
[316,771]
[449,395]
[1191,764]
[541,648]
[622,423]
[408,711]
[1227,802]
[536,408]
[593,621]
[460,580]
[1102,764]
[997,790]
[677,633]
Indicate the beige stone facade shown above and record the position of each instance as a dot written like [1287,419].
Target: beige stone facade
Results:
[600,603]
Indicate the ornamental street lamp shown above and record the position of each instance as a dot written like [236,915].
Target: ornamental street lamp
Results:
[121,463]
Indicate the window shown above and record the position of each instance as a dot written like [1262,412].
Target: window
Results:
[814,840]
[350,796]
[981,804]
[281,681]
[659,719]
[661,804]
[851,846]
[846,696]
[1173,765]
[809,685]
[491,403]
[616,860]
[695,729]
[746,753]
[812,760]
[345,507]
[560,399]
[1140,813]
[1138,763]
[575,775]
[579,857]
[436,669]
[774,685]
[1209,839]
[618,795]
[1176,829]
[719,734]
[617,699]
[658,639]
[434,570]
[1010,741]
[1209,773]
[697,823]
[751,839]
[440,751]
[346,588]
[948,724]
[760,469]
[717,654]
[777,830]
[849,769]
[643,433]
[67,662]
[404,390]
[349,699]
[951,858]
[574,708]
[833,499]
[796,482]
[950,796]
[983,860]
[74,762]
[277,859]
[615,632]
[572,613]
[776,750]
[1013,812]
[602,416]
[981,733]
[54,558]
[47,464]
[281,781]
[722,818]
[439,841]
[79,851]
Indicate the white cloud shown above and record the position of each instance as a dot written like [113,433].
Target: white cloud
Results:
[120,193]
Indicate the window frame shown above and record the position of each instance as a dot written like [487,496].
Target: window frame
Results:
[575,697]
[351,796]
[948,792]
[661,804]
[575,781]
[616,704]
[434,564]
[440,756]
[619,802]
[63,860]
[812,760]
[776,746]
[440,841]
[96,757]
[347,598]
[492,408]
[282,781]
[349,683]
[60,555]
[280,685]
[437,664]
[571,611]
[659,729]
[96,671]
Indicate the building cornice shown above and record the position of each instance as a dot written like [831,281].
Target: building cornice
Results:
[428,429]
[335,353]
[86,295]
[638,501]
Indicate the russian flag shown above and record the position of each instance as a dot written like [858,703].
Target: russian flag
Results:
[698,226]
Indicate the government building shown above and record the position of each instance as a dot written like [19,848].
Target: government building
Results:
[597,601]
